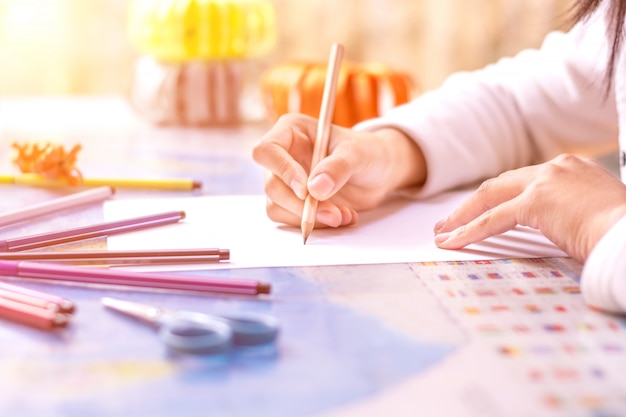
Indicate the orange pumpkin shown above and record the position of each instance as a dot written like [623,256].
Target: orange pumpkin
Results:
[364,91]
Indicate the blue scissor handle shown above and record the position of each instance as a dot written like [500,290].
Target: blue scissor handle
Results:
[196,333]
[252,329]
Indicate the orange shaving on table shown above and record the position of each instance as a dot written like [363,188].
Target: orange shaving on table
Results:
[50,161]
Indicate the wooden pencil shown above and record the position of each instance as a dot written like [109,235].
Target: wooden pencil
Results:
[50,206]
[320,149]
[41,318]
[36,298]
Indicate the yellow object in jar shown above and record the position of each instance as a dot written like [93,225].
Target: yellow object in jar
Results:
[184,30]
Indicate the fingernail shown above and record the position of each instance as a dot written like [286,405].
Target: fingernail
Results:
[323,186]
[441,238]
[299,189]
[439,225]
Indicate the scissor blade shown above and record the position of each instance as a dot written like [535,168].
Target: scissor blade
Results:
[139,311]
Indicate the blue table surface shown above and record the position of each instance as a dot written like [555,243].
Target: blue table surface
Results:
[354,340]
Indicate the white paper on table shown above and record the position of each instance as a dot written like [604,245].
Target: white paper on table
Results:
[399,231]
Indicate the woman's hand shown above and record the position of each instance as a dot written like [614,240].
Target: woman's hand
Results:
[361,169]
[572,201]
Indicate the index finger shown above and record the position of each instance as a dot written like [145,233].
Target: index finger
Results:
[286,150]
[490,223]
[491,193]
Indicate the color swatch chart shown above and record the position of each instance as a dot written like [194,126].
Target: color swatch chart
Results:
[530,314]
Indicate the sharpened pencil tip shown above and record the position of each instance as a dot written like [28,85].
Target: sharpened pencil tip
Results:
[307,228]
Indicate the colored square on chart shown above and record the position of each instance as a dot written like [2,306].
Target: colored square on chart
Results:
[429,263]
[572,290]
[455,263]
[556,274]
[573,349]
[518,291]
[560,308]
[454,294]
[554,328]
[485,293]
[473,277]
[483,262]
[566,374]
[521,328]
[494,275]
[612,348]
[597,373]
[444,277]
[489,329]
[500,308]
[614,326]
[553,401]
[509,351]
[528,274]
[591,401]
[544,290]
[535,375]
[472,310]
[542,349]
[532,308]
[586,326]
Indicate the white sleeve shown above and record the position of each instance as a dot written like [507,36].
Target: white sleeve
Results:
[516,112]
[603,280]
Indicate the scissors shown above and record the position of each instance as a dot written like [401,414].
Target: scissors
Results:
[193,332]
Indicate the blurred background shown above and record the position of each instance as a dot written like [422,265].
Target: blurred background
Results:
[82,47]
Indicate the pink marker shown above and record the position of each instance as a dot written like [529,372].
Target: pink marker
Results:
[42,270]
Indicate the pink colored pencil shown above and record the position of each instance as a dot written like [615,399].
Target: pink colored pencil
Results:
[48,271]
[36,298]
[69,201]
[32,316]
[89,232]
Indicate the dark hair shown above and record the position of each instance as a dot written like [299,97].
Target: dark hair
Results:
[615,11]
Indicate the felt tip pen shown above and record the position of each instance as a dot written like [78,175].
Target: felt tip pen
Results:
[91,231]
[57,272]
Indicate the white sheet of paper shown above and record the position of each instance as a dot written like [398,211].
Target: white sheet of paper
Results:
[399,231]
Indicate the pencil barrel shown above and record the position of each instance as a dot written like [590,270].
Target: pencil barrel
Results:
[32,316]
[137,279]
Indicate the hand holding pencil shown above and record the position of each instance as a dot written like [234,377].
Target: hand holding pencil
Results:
[359,169]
